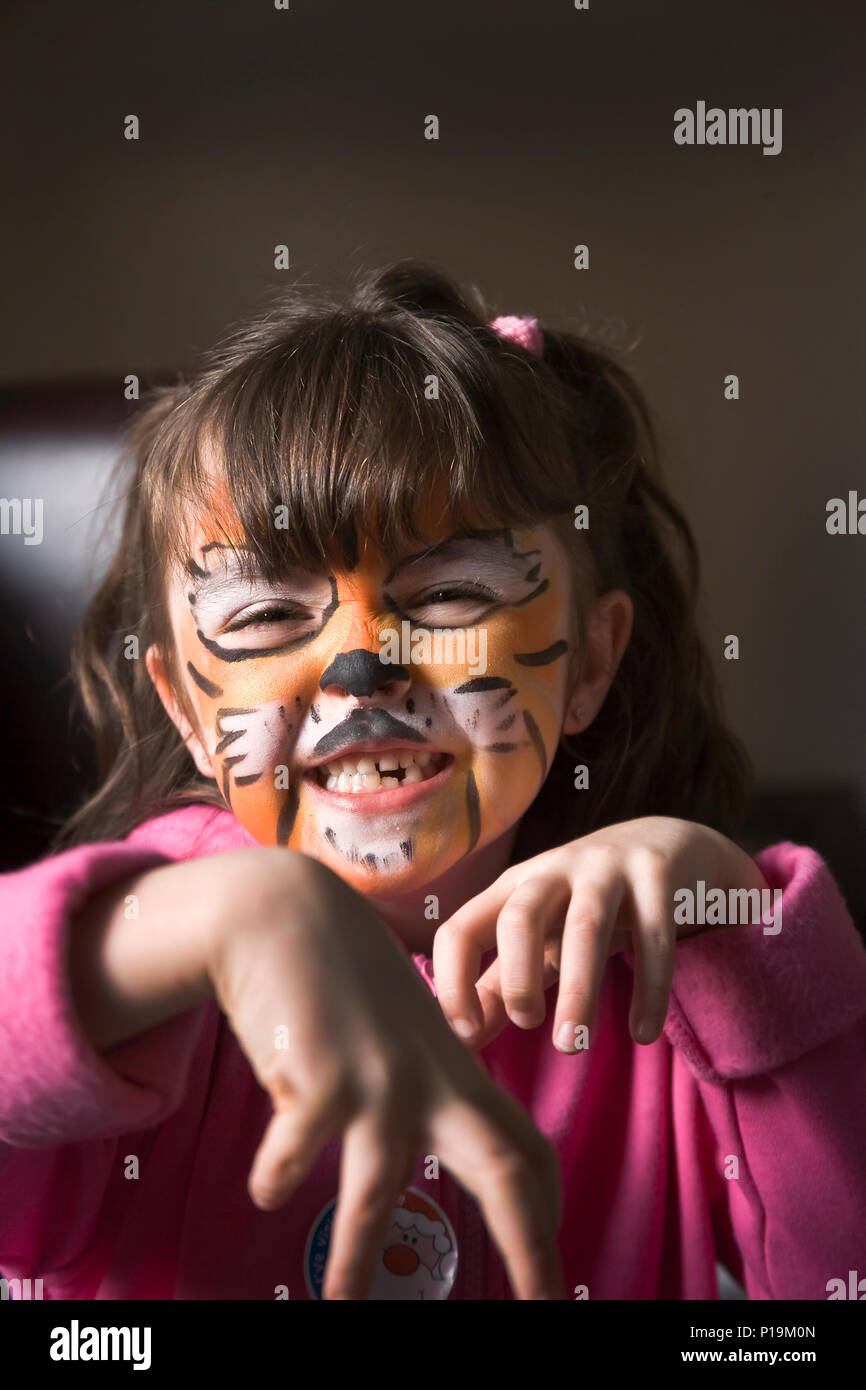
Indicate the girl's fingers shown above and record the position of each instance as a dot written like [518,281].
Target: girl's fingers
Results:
[521,930]
[489,990]
[514,1176]
[292,1142]
[515,918]
[654,943]
[586,936]
[376,1165]
[493,1015]
[457,950]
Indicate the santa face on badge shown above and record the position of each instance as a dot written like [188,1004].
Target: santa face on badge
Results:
[389,718]
[417,1258]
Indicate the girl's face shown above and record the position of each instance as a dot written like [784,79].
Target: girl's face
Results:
[387,719]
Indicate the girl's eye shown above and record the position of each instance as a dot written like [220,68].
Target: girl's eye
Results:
[268,615]
[444,594]
[449,594]
[452,605]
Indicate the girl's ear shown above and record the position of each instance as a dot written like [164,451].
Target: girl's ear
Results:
[157,672]
[609,630]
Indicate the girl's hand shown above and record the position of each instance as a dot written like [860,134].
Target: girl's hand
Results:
[565,912]
[346,1038]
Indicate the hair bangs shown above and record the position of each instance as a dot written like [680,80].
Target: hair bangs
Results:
[359,431]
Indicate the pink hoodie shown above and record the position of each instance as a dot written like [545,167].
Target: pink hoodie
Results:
[740,1135]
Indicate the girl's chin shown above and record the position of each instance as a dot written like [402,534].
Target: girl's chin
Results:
[370,882]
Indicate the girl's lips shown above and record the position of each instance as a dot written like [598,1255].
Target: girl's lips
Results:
[389,799]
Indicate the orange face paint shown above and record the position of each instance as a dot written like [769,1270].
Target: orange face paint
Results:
[454,658]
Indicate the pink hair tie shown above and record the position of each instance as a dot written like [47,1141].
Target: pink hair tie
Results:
[522,330]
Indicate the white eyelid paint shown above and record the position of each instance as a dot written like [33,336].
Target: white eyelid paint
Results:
[224,599]
[496,585]
[479,564]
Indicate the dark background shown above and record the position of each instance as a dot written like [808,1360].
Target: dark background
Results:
[305,127]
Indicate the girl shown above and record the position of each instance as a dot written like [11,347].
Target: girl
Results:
[422,734]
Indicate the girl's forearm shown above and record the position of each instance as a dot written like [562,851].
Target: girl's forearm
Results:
[140,950]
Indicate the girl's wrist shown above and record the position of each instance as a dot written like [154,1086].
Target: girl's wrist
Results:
[743,871]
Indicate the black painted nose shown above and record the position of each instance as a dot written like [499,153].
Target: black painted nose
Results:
[361,673]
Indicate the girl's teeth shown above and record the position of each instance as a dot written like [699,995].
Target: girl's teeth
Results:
[366,772]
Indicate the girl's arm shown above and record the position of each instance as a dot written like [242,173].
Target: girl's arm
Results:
[139,950]
[102,962]
[289,949]
[62,1104]
[774,1029]
[55,1086]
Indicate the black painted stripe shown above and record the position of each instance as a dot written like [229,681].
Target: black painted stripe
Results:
[202,681]
[539,589]
[474,810]
[543,658]
[228,739]
[288,812]
[535,735]
[481,683]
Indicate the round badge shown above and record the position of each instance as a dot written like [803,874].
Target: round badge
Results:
[417,1258]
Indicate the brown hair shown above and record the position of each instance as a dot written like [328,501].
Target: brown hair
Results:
[318,403]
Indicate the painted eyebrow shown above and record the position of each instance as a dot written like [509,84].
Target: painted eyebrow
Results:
[477,544]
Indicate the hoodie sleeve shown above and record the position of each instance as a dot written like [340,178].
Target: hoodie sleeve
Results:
[772,1025]
[55,1088]
[63,1105]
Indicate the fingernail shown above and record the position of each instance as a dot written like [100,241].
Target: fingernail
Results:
[565,1037]
[524,1020]
[646,1030]
[463,1028]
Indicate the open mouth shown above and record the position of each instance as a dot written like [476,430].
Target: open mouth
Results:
[380,772]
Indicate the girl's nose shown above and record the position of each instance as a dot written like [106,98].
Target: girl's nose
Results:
[363,673]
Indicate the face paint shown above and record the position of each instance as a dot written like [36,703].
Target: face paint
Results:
[288,678]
